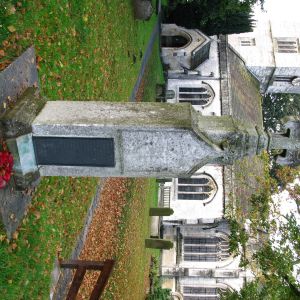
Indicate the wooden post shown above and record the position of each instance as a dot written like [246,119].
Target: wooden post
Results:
[102,279]
[81,266]
[76,283]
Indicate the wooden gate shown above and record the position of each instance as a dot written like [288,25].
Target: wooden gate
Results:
[81,267]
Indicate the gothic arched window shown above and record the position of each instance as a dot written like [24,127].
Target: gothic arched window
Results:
[202,292]
[199,187]
[201,95]
[209,249]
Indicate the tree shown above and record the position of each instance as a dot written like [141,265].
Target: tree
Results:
[276,263]
[276,106]
[276,280]
[214,16]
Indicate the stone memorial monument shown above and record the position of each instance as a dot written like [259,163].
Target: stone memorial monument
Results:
[92,138]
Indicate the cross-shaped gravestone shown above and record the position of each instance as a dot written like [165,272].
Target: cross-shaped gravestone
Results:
[92,138]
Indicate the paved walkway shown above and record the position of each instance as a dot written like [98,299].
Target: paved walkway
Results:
[147,54]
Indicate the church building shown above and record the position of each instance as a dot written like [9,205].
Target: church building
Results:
[224,75]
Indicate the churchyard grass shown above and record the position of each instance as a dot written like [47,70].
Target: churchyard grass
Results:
[86,49]
[130,276]
[52,225]
[154,75]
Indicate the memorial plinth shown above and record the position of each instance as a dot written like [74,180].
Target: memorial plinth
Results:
[92,138]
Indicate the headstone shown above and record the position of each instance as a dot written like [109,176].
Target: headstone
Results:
[18,77]
[142,9]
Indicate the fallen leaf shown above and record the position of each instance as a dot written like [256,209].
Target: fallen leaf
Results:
[38,59]
[11,28]
[15,235]
[11,10]
[37,215]
[2,53]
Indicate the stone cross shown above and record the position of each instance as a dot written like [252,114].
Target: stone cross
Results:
[288,141]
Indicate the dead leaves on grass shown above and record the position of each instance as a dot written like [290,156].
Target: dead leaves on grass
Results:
[117,231]
[102,239]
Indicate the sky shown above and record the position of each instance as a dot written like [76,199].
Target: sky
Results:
[278,8]
[286,206]
[287,9]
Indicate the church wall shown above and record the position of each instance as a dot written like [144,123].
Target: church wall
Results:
[197,209]
[208,73]
[213,108]
[271,51]
[211,65]
[178,274]
[178,58]
[286,29]
[233,283]
[259,51]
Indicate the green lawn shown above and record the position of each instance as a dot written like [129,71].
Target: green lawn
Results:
[154,74]
[84,52]
[133,259]
[52,224]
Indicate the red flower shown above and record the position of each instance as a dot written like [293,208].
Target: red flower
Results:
[6,165]
[2,183]
[6,176]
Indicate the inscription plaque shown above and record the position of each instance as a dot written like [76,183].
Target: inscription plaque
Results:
[69,151]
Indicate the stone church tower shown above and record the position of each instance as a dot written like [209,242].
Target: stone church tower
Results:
[271,52]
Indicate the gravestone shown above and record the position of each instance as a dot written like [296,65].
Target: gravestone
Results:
[142,9]
[14,81]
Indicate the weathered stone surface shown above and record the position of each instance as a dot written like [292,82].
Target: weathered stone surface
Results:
[18,76]
[12,207]
[150,139]
[142,9]
[18,119]
[289,141]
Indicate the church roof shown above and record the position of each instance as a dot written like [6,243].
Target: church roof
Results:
[246,100]
[245,105]
[201,52]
